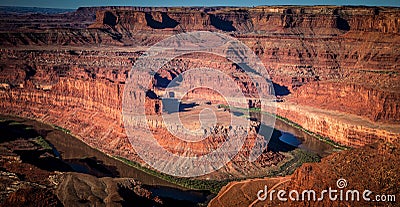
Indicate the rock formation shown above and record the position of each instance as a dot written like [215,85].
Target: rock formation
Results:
[379,161]
[335,69]
[32,175]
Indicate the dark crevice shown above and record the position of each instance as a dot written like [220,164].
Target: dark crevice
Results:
[29,72]
[163,82]
[151,94]
[342,24]
[167,22]
[222,24]
[280,90]
[110,19]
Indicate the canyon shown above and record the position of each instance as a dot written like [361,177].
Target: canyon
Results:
[34,171]
[334,71]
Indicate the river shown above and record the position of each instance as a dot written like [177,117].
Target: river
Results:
[285,133]
[85,159]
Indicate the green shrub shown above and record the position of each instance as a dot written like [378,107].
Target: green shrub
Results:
[62,129]
[214,186]
[42,142]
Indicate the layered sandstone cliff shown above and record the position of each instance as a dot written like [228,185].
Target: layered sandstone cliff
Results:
[311,20]
[335,68]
